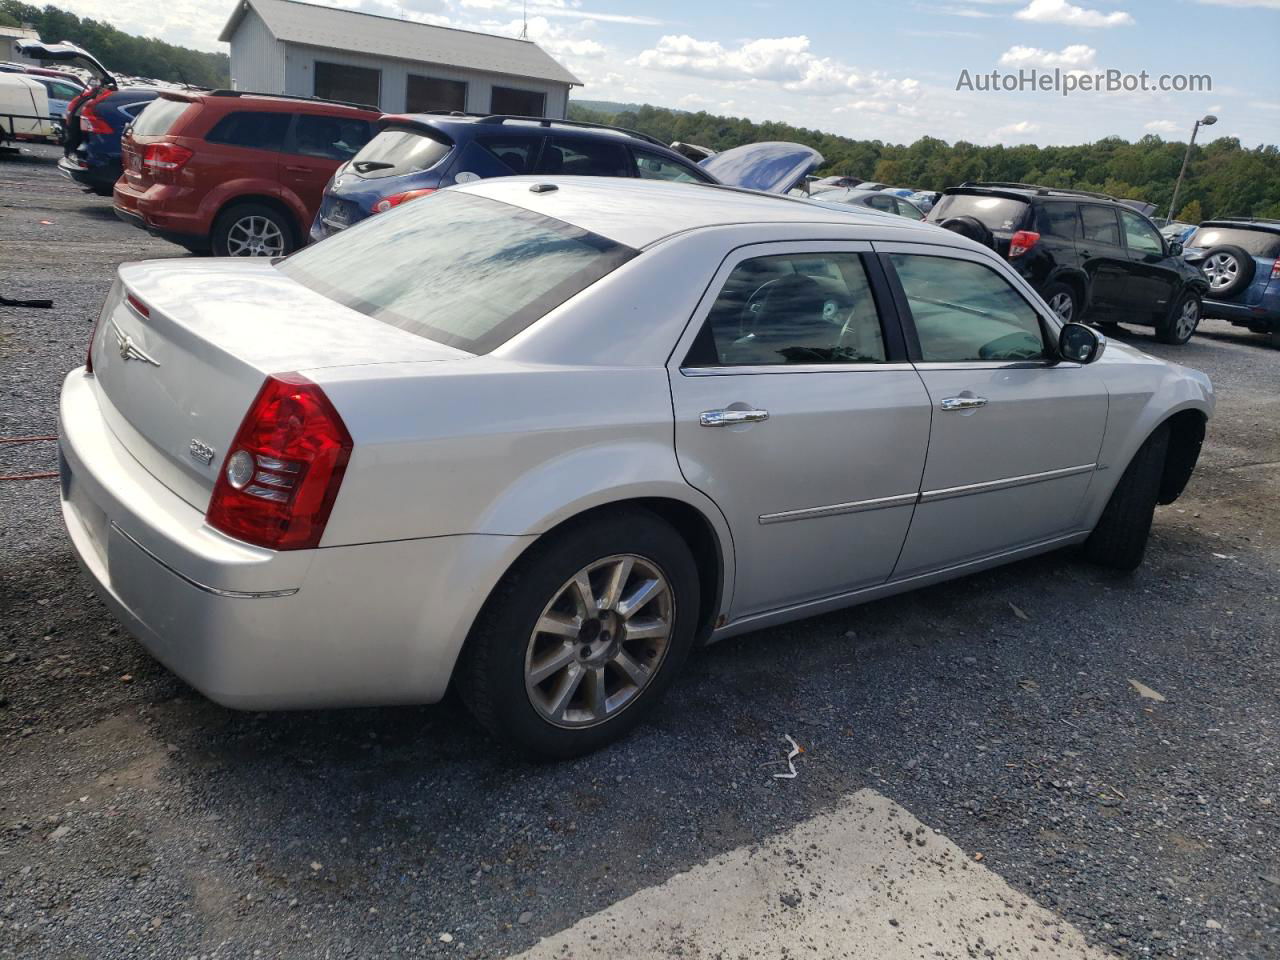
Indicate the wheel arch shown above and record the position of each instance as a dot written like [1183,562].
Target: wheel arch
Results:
[1186,436]
[1076,279]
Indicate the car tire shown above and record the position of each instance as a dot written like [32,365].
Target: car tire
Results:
[244,228]
[970,227]
[586,701]
[1119,540]
[1062,297]
[1182,320]
[1229,268]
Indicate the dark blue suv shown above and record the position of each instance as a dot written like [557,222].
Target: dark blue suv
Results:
[1241,258]
[91,144]
[417,154]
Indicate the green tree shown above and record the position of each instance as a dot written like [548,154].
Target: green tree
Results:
[1191,213]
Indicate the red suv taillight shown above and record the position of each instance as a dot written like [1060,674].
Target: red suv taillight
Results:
[386,203]
[282,473]
[164,158]
[90,122]
[1275,269]
[1022,241]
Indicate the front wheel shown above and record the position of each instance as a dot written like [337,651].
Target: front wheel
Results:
[1182,320]
[1119,540]
[252,230]
[584,636]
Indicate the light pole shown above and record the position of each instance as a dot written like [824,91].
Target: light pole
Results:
[1208,120]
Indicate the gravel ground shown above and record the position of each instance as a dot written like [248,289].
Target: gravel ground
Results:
[139,820]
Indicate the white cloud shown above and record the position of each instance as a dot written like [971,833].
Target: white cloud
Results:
[557,8]
[1060,11]
[1265,4]
[1075,57]
[785,61]
[1013,131]
[1161,126]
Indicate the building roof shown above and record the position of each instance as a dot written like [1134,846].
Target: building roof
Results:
[316,26]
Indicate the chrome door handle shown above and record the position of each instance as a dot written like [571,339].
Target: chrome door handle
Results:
[727,418]
[963,403]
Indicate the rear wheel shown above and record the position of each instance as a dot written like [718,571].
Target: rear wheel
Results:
[1119,540]
[252,230]
[1182,320]
[584,635]
[1063,301]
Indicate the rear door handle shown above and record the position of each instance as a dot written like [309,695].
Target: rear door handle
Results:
[727,418]
[298,169]
[963,403]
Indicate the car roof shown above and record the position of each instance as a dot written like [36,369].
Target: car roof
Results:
[509,125]
[267,102]
[640,212]
[1250,223]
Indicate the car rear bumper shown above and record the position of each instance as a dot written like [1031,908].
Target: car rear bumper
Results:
[258,629]
[1264,316]
[164,210]
[77,170]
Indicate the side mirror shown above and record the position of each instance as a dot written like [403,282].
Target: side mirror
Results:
[1080,344]
[1175,248]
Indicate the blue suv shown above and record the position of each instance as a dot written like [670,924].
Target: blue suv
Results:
[416,154]
[1241,258]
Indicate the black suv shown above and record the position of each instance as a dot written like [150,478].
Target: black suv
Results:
[1090,256]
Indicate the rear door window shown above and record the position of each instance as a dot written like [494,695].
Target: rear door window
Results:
[651,166]
[397,151]
[1100,224]
[517,154]
[585,158]
[1256,243]
[459,269]
[336,138]
[251,128]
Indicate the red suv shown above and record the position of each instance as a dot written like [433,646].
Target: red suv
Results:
[240,174]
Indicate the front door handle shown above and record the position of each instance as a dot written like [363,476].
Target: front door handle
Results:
[963,403]
[727,418]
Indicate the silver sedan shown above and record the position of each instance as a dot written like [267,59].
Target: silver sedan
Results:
[539,438]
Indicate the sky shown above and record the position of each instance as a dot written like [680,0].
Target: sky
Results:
[864,68]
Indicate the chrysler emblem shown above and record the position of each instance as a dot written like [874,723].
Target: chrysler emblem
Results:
[130,350]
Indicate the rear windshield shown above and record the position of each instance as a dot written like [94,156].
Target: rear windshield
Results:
[158,117]
[1256,243]
[462,270]
[395,152]
[995,213]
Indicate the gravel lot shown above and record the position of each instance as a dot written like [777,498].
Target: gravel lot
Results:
[139,820]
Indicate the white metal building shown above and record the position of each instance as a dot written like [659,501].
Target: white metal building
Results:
[401,66]
[9,37]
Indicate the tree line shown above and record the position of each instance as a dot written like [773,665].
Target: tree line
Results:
[1224,178]
[121,52]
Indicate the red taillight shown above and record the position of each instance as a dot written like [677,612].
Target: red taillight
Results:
[164,158]
[283,470]
[386,203]
[1022,241]
[90,122]
[88,354]
[138,305]
[1275,269]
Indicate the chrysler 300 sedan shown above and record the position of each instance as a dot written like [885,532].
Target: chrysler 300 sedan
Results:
[537,438]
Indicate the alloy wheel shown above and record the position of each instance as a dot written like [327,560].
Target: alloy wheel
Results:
[600,641]
[1062,307]
[1188,318]
[1222,270]
[255,237]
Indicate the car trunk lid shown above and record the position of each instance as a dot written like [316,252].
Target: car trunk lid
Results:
[181,350]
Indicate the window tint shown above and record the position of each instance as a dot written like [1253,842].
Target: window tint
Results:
[1058,220]
[966,311]
[1100,223]
[338,138]
[996,213]
[62,91]
[158,117]
[1140,236]
[650,166]
[456,268]
[518,154]
[908,210]
[395,152]
[247,128]
[882,201]
[430,93]
[1257,243]
[518,103]
[798,308]
[338,81]
[585,158]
